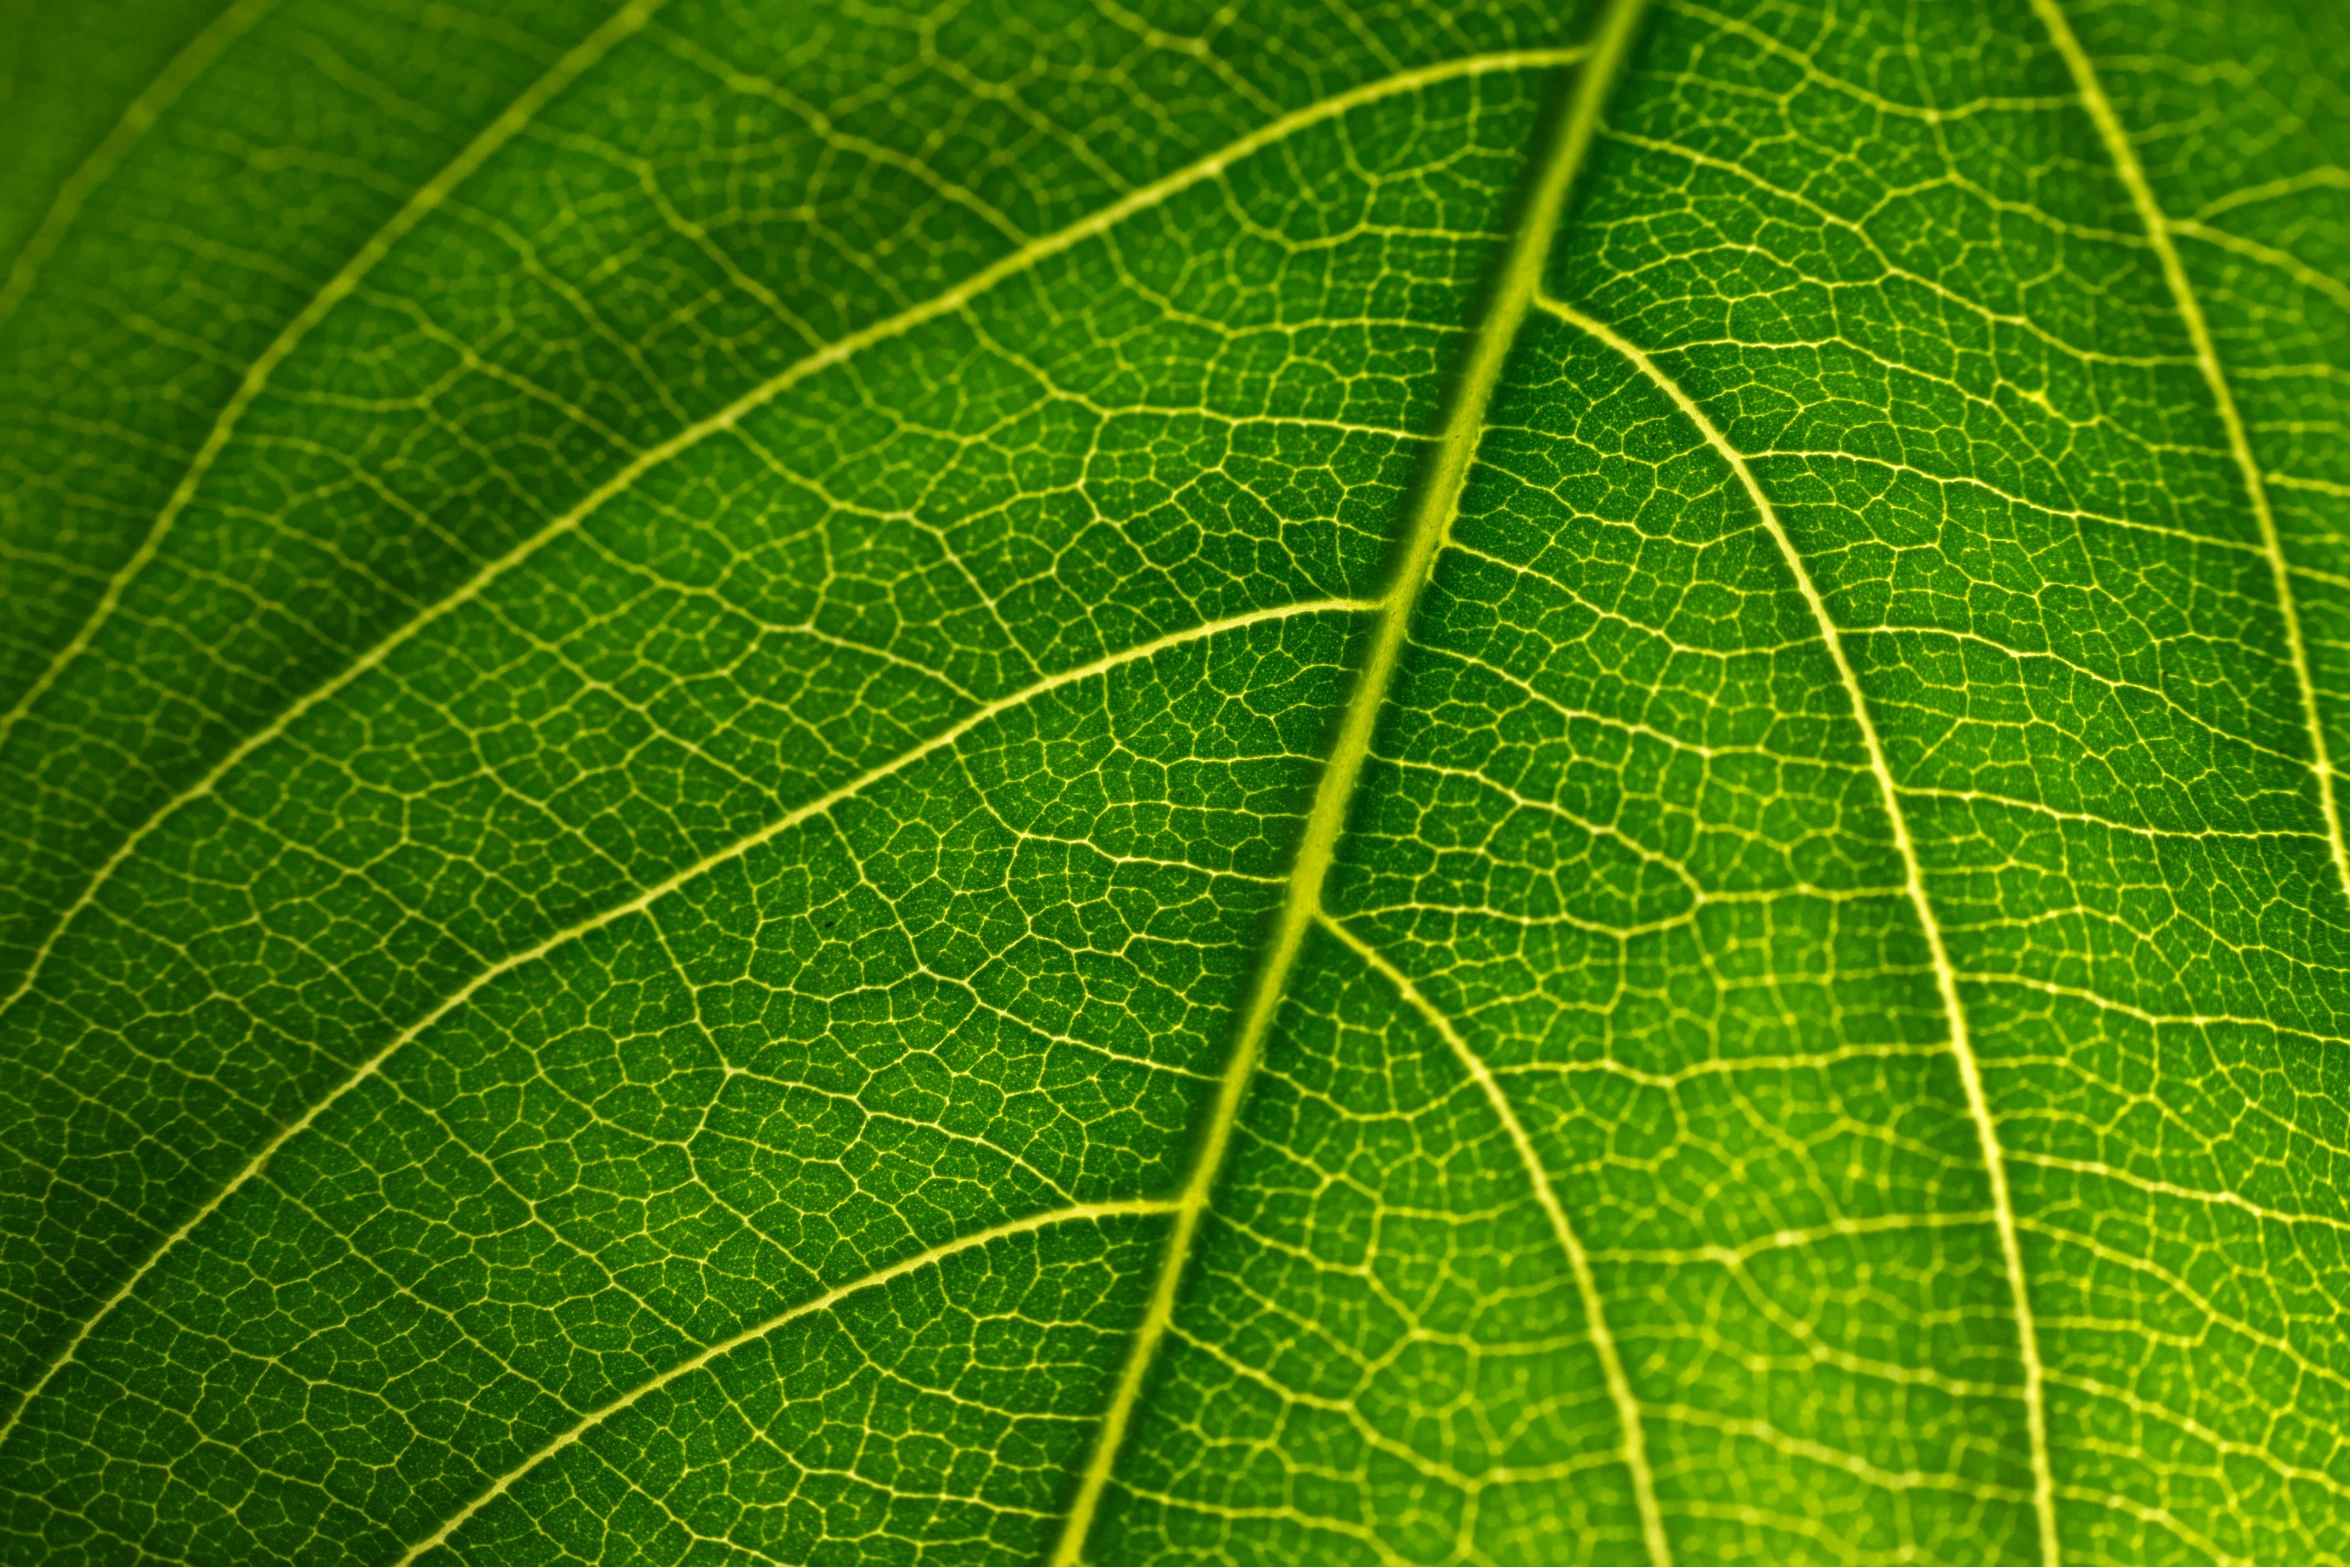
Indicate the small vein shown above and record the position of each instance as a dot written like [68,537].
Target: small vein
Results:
[1427,529]
[193,60]
[427,199]
[945,303]
[637,904]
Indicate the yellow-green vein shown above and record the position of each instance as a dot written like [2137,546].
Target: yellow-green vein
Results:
[638,904]
[193,59]
[2174,275]
[1076,1213]
[1914,884]
[1430,520]
[727,418]
[416,209]
[1562,1228]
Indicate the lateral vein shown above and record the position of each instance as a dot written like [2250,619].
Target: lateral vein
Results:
[1562,1229]
[2161,234]
[1074,1213]
[428,198]
[1914,884]
[1430,522]
[193,60]
[635,905]
[725,419]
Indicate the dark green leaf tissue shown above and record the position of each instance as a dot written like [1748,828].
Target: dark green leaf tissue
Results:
[1078,783]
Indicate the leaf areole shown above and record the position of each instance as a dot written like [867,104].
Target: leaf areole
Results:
[1363,784]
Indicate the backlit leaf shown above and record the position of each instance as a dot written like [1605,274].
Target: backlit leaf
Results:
[1034,783]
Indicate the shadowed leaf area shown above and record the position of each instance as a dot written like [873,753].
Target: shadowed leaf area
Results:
[1367,782]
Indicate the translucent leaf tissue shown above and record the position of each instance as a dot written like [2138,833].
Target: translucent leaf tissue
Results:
[1072,783]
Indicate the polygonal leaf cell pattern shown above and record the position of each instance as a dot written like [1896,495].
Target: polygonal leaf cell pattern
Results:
[1364,783]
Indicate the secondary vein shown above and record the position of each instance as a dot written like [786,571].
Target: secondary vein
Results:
[726,420]
[193,60]
[1914,885]
[1562,1229]
[1430,521]
[2159,233]
[640,903]
[586,1423]
[427,200]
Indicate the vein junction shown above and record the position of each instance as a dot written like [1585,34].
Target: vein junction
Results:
[666,1046]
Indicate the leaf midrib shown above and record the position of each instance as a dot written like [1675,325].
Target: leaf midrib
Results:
[642,901]
[1512,294]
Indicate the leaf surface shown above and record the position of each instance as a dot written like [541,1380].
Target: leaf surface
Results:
[1041,784]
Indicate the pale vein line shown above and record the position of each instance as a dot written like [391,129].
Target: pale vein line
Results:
[2154,1186]
[1945,975]
[2283,261]
[418,207]
[642,901]
[1603,1339]
[825,1302]
[194,58]
[2105,1003]
[1429,525]
[842,349]
[2174,274]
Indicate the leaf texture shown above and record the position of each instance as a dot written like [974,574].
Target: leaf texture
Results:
[1053,784]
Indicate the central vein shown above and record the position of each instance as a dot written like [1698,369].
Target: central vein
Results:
[1430,521]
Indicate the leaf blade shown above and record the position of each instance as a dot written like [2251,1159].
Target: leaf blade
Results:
[1815,1045]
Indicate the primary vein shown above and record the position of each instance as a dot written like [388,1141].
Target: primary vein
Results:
[939,305]
[1430,521]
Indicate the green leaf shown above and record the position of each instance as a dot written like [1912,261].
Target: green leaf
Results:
[1375,784]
